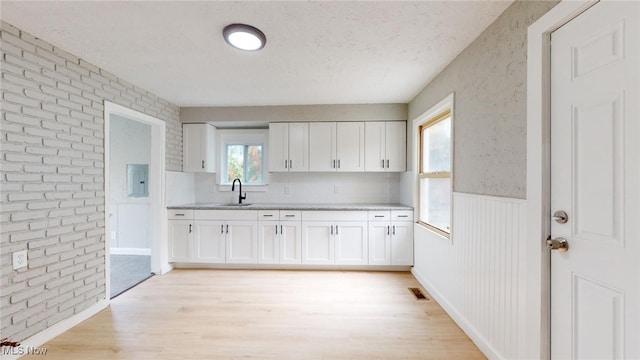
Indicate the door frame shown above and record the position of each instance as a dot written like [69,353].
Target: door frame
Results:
[159,248]
[538,264]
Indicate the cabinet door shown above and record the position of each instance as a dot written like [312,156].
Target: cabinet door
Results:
[209,241]
[290,242]
[299,147]
[322,146]
[278,147]
[180,239]
[396,146]
[242,242]
[198,148]
[317,243]
[402,243]
[350,146]
[269,242]
[374,142]
[351,243]
[379,243]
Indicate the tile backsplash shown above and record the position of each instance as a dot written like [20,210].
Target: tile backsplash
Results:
[293,188]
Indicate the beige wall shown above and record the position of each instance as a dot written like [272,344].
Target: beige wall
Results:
[489,82]
[261,115]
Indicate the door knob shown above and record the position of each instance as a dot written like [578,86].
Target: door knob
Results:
[560,217]
[560,244]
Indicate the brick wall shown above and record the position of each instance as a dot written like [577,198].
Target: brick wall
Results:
[52,178]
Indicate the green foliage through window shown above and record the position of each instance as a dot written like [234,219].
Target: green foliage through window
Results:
[245,163]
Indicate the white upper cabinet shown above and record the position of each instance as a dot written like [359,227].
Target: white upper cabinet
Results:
[386,146]
[198,148]
[289,147]
[336,146]
[322,145]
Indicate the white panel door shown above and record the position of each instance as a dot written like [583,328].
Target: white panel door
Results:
[318,242]
[209,241]
[402,243]
[322,146]
[290,242]
[193,147]
[269,242]
[351,242]
[595,179]
[242,242]
[278,147]
[396,146]
[180,239]
[350,146]
[379,243]
[374,141]
[299,147]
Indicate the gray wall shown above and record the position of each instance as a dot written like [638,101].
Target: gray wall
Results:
[52,183]
[130,144]
[489,82]
[264,114]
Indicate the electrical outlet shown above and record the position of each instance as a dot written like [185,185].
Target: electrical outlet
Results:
[287,190]
[19,259]
[336,189]
[114,235]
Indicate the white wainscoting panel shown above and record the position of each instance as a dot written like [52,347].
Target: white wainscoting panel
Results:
[477,276]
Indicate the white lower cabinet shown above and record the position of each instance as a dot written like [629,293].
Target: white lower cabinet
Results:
[291,237]
[241,242]
[317,242]
[210,241]
[402,243]
[379,243]
[391,237]
[334,237]
[180,240]
[279,240]
[180,232]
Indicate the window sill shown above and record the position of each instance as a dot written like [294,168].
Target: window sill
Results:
[247,188]
[433,230]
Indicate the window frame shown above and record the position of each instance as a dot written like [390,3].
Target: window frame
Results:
[436,114]
[245,137]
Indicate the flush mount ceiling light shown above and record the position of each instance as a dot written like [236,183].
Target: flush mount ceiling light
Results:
[244,37]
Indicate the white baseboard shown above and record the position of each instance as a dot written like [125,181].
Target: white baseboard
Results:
[468,329]
[180,265]
[37,340]
[129,251]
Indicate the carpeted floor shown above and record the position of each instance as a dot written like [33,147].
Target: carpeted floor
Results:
[127,271]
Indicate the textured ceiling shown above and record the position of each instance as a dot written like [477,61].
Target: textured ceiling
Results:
[329,52]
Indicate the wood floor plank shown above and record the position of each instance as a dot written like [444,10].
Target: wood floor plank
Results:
[255,314]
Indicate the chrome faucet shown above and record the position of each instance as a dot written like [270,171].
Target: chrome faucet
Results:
[233,187]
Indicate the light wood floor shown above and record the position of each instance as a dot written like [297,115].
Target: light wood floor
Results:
[233,314]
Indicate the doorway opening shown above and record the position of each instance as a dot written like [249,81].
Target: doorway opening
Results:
[134,197]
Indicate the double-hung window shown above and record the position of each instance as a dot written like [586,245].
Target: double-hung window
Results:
[243,156]
[435,172]
[244,161]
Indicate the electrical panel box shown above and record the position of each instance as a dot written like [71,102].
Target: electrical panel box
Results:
[138,180]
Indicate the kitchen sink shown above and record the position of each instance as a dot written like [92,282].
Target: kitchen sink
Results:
[236,204]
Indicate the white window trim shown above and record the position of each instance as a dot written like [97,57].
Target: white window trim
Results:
[445,104]
[242,136]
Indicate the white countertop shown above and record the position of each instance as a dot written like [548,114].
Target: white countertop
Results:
[289,206]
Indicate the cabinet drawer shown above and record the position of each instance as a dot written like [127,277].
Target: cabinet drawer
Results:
[380,216]
[402,215]
[267,215]
[226,215]
[334,215]
[290,215]
[178,214]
